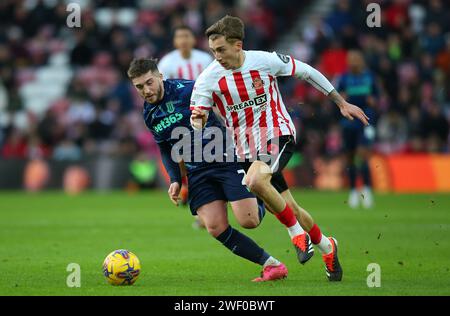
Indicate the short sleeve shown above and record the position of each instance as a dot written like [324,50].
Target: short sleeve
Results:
[280,65]
[201,97]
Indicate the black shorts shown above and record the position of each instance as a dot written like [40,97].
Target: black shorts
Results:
[281,153]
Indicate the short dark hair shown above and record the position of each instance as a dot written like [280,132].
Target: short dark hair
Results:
[140,66]
[231,27]
[183,27]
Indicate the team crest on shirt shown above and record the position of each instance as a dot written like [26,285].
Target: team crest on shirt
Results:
[258,83]
[169,106]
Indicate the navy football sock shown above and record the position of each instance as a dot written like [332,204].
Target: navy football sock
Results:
[242,246]
[365,172]
[352,175]
[261,209]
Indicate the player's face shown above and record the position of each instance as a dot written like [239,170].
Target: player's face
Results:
[226,53]
[184,40]
[150,86]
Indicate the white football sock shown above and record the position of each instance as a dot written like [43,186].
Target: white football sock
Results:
[325,245]
[295,230]
[271,261]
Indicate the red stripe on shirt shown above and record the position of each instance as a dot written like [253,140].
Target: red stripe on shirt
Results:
[226,93]
[273,108]
[220,106]
[249,119]
[180,73]
[293,66]
[236,132]
[240,85]
[199,68]
[279,107]
[224,90]
[190,71]
[263,118]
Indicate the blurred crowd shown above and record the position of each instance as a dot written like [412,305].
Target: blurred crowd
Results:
[64,93]
[409,54]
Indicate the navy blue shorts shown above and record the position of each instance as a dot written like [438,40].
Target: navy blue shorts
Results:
[220,182]
[356,136]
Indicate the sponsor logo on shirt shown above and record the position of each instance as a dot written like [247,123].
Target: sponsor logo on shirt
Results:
[167,121]
[258,101]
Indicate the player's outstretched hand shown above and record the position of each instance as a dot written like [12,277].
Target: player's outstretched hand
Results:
[351,111]
[174,192]
[198,118]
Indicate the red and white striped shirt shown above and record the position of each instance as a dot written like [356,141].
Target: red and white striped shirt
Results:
[174,66]
[248,98]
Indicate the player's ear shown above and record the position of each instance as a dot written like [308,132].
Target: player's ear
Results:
[238,45]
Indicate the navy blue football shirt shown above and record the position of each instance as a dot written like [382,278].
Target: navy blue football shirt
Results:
[171,117]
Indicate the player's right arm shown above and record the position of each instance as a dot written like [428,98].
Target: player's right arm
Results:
[173,169]
[201,102]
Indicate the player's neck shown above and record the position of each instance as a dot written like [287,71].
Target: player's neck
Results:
[240,61]
[163,91]
[186,54]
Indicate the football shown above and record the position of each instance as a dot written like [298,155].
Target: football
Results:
[121,267]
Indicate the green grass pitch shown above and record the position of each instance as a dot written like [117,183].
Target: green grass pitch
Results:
[40,234]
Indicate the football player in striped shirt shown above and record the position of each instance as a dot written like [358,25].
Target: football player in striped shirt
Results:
[243,85]
[185,62]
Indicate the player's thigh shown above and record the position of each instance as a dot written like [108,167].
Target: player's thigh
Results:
[246,208]
[258,175]
[231,180]
[203,190]
[214,215]
[350,139]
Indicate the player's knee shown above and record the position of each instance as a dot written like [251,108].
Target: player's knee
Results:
[256,183]
[215,229]
[249,222]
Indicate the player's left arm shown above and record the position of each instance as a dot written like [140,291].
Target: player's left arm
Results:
[282,65]
[321,83]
